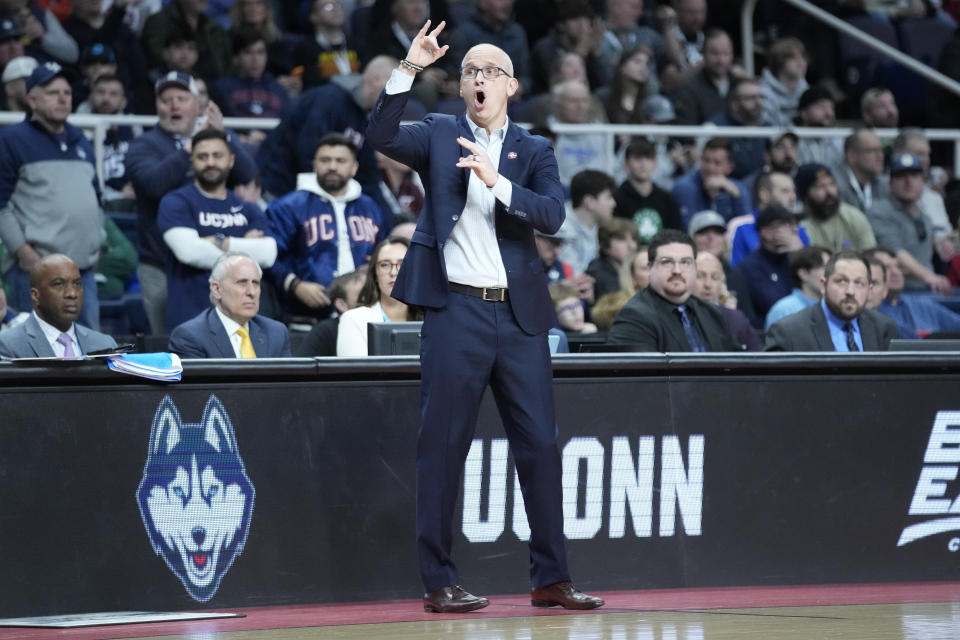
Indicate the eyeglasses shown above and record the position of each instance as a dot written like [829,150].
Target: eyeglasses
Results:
[385,266]
[670,263]
[490,73]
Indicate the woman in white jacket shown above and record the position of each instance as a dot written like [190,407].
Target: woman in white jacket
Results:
[374,303]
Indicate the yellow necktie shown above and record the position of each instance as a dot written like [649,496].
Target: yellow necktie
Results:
[246,344]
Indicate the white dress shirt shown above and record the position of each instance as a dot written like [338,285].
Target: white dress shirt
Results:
[51,333]
[231,326]
[472,253]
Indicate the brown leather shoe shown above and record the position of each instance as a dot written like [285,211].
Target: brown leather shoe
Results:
[565,595]
[452,599]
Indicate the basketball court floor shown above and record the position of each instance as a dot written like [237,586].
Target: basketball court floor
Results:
[921,611]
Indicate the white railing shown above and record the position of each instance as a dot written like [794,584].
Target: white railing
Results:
[96,126]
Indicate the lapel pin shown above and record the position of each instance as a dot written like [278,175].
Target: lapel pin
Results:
[512,155]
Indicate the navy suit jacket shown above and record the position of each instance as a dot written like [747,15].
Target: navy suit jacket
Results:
[26,340]
[430,148]
[204,337]
[807,330]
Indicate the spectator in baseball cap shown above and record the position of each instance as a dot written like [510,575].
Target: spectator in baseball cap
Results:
[14,80]
[901,224]
[43,74]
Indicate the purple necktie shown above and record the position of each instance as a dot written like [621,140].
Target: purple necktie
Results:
[67,343]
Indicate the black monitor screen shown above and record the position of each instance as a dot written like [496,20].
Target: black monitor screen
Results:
[393,338]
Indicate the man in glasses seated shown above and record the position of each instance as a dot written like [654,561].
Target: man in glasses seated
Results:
[665,316]
[901,224]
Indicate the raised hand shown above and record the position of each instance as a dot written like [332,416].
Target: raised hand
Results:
[425,50]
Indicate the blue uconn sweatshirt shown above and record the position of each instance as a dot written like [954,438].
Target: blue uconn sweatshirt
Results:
[49,197]
[304,223]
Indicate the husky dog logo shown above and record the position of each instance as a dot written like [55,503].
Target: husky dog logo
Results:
[195,498]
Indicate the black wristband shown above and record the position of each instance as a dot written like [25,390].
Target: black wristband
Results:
[410,65]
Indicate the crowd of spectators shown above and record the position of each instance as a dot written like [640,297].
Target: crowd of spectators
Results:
[739,233]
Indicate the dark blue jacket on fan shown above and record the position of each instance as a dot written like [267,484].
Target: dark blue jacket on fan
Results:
[289,148]
[305,227]
[249,98]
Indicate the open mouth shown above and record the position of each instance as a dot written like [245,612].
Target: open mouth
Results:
[481,97]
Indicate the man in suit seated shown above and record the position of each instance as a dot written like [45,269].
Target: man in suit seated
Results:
[841,321]
[231,328]
[56,288]
[665,316]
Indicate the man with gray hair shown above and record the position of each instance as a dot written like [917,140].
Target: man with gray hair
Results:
[232,328]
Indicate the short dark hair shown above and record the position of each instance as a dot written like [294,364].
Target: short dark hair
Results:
[870,253]
[873,261]
[738,82]
[668,236]
[714,144]
[179,36]
[844,254]
[244,38]
[806,258]
[108,77]
[210,134]
[589,182]
[336,139]
[640,148]
[615,228]
[871,257]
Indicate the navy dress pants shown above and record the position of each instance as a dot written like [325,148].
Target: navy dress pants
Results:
[467,345]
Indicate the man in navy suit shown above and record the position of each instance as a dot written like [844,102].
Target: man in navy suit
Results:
[474,267]
[56,288]
[232,328]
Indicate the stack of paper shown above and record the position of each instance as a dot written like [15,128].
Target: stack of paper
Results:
[156,366]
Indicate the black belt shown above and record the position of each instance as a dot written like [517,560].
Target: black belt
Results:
[490,294]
